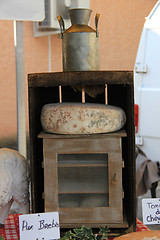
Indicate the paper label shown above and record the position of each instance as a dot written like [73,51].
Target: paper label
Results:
[151,211]
[39,226]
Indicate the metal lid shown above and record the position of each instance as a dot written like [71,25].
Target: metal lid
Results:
[80,16]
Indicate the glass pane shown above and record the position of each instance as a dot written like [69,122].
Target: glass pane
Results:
[80,159]
[83,200]
[83,180]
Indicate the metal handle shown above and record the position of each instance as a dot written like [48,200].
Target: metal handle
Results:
[96,23]
[61,23]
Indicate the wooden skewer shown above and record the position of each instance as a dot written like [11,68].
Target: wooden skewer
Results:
[83,95]
[106,95]
[60,94]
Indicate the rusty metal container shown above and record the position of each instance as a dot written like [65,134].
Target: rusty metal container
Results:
[80,42]
[81,118]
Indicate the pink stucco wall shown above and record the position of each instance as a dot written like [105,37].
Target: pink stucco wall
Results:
[120,27]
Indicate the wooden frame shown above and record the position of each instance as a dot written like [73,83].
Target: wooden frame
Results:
[43,88]
[101,143]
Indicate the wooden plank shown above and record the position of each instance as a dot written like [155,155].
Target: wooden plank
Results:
[130,170]
[115,179]
[36,153]
[121,133]
[64,146]
[80,78]
[91,215]
[50,181]
[116,226]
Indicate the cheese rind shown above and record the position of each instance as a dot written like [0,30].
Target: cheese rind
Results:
[81,118]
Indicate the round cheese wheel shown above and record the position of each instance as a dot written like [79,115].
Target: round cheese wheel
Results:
[144,235]
[80,118]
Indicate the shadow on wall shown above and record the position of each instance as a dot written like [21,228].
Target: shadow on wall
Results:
[11,142]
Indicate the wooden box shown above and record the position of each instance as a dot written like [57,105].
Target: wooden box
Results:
[50,161]
[83,175]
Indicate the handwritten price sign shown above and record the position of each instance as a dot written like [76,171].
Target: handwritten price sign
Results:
[151,211]
[39,226]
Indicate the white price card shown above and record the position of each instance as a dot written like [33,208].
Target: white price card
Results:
[151,211]
[40,226]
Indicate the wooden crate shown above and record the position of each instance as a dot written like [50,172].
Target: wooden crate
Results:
[83,175]
[44,88]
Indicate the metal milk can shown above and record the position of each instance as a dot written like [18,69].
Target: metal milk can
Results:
[80,43]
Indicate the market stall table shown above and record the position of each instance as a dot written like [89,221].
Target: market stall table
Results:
[11,229]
